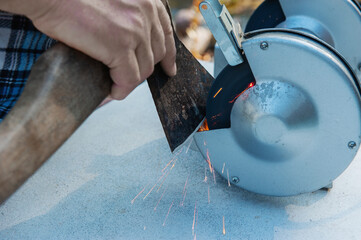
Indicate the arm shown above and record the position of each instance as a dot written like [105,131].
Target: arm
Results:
[130,37]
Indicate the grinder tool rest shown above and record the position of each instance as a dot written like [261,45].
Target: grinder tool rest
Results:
[283,115]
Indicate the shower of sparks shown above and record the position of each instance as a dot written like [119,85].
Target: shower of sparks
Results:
[160,186]
[132,202]
[209,198]
[209,162]
[218,92]
[224,164]
[190,143]
[229,183]
[168,164]
[166,217]
[224,227]
[194,218]
[160,199]
[205,175]
[173,159]
[151,190]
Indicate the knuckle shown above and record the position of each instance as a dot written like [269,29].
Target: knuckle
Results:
[147,5]
[168,30]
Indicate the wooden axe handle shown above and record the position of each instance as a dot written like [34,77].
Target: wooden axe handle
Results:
[63,89]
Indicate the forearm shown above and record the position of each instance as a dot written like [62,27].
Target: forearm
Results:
[30,8]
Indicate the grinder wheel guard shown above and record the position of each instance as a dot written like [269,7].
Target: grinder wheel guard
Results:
[286,121]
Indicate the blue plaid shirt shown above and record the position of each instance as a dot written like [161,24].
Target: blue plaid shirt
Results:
[20,46]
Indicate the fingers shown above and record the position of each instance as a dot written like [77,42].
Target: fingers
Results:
[168,63]
[158,39]
[126,75]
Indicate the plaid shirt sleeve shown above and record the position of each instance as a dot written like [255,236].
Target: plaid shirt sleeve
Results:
[20,46]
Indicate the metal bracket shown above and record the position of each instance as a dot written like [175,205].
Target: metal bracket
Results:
[225,30]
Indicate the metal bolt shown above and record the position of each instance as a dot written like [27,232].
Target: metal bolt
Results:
[264,45]
[352,145]
[235,180]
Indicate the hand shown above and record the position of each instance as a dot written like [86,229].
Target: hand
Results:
[129,36]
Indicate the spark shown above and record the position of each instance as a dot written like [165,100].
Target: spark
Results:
[224,164]
[185,185]
[205,175]
[166,176]
[209,199]
[139,194]
[168,213]
[184,191]
[218,92]
[229,183]
[173,164]
[249,86]
[224,227]
[209,162]
[236,97]
[214,177]
[155,208]
[191,141]
[168,164]
[205,144]
[216,116]
[184,197]
[151,190]
[194,217]
[160,186]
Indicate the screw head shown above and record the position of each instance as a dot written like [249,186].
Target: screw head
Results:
[352,145]
[264,45]
[235,180]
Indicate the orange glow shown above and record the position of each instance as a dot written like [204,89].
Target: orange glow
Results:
[204,127]
[218,92]
[252,84]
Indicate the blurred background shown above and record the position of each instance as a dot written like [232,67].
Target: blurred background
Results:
[191,28]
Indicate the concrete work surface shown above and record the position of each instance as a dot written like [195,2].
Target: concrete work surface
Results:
[115,179]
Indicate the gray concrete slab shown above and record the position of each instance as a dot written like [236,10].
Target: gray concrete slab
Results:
[85,191]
